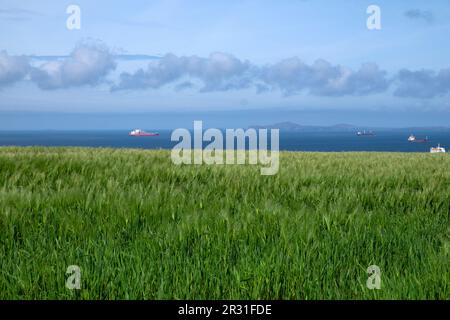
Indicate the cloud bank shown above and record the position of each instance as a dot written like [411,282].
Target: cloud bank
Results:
[218,72]
[90,64]
[324,79]
[222,72]
[422,84]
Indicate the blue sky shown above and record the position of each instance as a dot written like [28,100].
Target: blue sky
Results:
[258,60]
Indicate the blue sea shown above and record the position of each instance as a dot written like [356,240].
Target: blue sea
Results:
[386,140]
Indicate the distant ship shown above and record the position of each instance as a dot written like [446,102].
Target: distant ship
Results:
[141,133]
[365,133]
[437,149]
[412,138]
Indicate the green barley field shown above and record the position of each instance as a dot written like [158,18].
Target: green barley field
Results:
[140,227]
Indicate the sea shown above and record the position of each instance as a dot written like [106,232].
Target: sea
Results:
[383,141]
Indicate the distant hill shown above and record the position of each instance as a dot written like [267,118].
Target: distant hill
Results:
[291,126]
[342,127]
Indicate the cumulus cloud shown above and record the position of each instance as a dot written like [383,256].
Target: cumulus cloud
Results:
[218,72]
[12,68]
[422,84]
[418,14]
[88,64]
[322,78]
[369,79]
[221,72]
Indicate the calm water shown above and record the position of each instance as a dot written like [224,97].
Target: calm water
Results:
[392,141]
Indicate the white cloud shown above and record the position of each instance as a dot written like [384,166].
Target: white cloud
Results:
[12,68]
[422,83]
[221,72]
[87,65]
[218,72]
[324,79]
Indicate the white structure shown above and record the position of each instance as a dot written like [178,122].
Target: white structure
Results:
[437,149]
[136,132]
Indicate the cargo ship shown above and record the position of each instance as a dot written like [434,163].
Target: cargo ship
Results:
[365,133]
[412,138]
[141,133]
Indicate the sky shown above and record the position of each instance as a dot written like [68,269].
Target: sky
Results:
[233,63]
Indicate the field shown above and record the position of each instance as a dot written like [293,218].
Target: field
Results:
[140,227]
